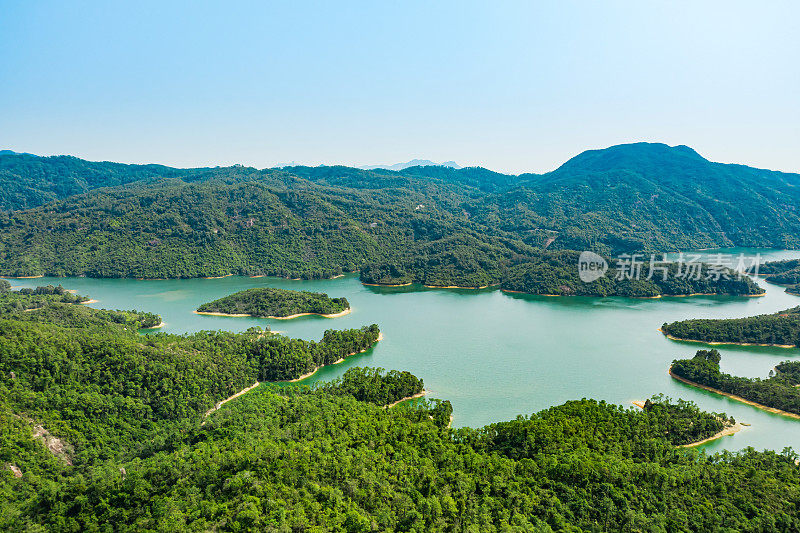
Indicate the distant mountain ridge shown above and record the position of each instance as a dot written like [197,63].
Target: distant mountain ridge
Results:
[412,163]
[68,216]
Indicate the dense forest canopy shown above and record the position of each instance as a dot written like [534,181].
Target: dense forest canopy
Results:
[375,385]
[781,328]
[468,263]
[435,225]
[56,305]
[270,302]
[29,181]
[27,299]
[102,428]
[89,369]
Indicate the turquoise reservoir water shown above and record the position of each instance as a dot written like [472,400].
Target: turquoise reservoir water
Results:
[496,355]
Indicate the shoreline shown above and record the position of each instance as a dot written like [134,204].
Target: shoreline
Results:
[338,361]
[239,315]
[387,284]
[290,279]
[160,325]
[212,313]
[535,294]
[23,277]
[412,397]
[89,302]
[217,277]
[330,315]
[751,403]
[724,432]
[718,343]
[656,297]
[473,288]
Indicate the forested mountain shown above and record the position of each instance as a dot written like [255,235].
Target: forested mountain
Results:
[28,181]
[649,196]
[210,228]
[151,221]
[104,429]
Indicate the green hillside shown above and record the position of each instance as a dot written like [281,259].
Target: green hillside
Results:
[104,429]
[444,226]
[648,196]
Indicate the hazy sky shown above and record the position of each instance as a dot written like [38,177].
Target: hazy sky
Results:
[512,86]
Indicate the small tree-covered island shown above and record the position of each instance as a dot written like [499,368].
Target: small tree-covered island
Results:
[268,302]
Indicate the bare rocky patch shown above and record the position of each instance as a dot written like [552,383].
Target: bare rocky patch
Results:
[56,446]
[14,470]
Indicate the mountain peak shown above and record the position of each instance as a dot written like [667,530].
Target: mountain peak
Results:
[412,163]
[632,155]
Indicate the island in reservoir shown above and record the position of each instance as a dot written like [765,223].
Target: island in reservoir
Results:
[778,329]
[267,302]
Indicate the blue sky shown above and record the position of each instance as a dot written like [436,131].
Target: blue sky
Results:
[513,86]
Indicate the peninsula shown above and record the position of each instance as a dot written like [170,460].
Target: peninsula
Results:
[778,394]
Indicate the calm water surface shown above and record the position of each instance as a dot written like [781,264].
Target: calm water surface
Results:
[496,355]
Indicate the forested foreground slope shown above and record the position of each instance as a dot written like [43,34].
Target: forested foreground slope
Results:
[153,222]
[101,428]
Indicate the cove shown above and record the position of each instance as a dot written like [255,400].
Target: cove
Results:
[495,355]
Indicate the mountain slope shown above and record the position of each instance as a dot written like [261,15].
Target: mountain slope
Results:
[648,197]
[170,228]
[318,221]
[28,181]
